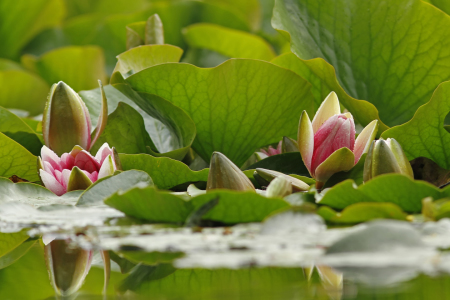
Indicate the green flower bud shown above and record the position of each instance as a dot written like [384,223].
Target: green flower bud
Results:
[386,156]
[224,174]
[279,187]
[269,175]
[289,145]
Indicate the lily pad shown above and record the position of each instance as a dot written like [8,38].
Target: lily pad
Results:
[165,172]
[238,207]
[147,203]
[356,174]
[10,241]
[107,186]
[362,212]
[392,188]
[213,98]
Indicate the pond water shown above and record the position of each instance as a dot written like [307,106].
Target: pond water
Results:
[292,255]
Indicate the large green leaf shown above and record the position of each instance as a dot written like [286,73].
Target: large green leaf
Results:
[20,21]
[16,129]
[177,132]
[79,67]
[165,172]
[322,77]
[16,160]
[228,42]
[171,130]
[149,204]
[391,53]
[125,130]
[238,207]
[12,256]
[237,106]
[392,188]
[23,90]
[425,135]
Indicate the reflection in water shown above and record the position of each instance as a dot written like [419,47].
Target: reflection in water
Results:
[67,266]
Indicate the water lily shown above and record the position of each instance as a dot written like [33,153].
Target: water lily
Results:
[327,144]
[77,169]
[66,121]
[386,156]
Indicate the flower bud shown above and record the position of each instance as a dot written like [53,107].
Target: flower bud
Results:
[386,157]
[269,175]
[224,174]
[67,267]
[289,145]
[279,187]
[66,121]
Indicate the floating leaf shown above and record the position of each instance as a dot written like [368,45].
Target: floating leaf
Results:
[362,212]
[140,58]
[238,207]
[165,172]
[147,203]
[392,188]
[107,186]
[213,98]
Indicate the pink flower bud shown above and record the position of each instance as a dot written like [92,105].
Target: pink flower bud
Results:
[327,143]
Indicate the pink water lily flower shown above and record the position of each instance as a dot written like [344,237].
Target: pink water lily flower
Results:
[75,170]
[327,144]
[263,153]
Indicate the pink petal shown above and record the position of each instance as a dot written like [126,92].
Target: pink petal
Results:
[58,176]
[67,161]
[103,152]
[65,178]
[51,183]
[280,144]
[51,157]
[92,176]
[272,151]
[86,162]
[265,152]
[48,168]
[334,134]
